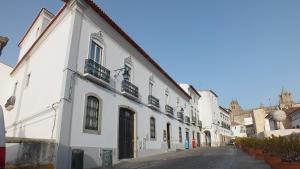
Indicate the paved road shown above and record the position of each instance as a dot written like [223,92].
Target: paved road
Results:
[204,158]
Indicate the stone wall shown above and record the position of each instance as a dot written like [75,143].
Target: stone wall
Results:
[32,153]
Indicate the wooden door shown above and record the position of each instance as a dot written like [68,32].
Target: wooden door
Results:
[126,134]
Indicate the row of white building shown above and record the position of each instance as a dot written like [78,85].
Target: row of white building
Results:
[82,82]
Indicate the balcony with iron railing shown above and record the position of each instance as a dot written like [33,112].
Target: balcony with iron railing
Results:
[180,115]
[96,72]
[169,110]
[153,102]
[10,103]
[194,120]
[187,119]
[129,89]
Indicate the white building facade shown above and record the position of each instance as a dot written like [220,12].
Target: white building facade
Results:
[225,133]
[196,126]
[84,83]
[209,115]
[238,130]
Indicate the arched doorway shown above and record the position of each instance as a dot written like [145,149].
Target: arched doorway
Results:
[207,138]
[126,133]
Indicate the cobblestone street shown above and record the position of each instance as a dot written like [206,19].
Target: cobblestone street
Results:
[204,158]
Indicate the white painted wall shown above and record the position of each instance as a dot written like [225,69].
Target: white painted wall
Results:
[209,114]
[226,119]
[35,112]
[37,28]
[5,83]
[33,115]
[116,49]
[238,131]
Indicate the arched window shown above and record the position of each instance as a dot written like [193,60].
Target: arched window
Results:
[92,115]
[152,128]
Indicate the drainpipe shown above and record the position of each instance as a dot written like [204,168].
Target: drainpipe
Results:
[64,128]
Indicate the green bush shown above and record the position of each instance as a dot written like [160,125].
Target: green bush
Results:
[288,147]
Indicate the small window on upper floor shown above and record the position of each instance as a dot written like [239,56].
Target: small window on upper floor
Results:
[151,88]
[28,79]
[96,52]
[178,101]
[15,89]
[167,96]
[37,32]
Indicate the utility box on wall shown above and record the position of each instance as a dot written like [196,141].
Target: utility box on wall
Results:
[107,159]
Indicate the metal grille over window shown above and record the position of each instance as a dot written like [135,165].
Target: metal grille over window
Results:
[152,128]
[92,113]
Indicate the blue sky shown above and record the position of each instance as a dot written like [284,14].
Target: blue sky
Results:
[245,50]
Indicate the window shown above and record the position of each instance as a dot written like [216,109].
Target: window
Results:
[150,88]
[96,52]
[28,79]
[128,69]
[180,135]
[37,31]
[167,96]
[152,128]
[92,115]
[15,89]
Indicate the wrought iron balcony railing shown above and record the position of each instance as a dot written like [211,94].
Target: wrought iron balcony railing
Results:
[200,123]
[180,115]
[129,89]
[153,101]
[194,120]
[169,110]
[100,72]
[187,119]
[10,103]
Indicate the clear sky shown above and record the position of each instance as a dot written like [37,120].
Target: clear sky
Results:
[241,49]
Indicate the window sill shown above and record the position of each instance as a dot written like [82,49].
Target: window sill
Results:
[86,131]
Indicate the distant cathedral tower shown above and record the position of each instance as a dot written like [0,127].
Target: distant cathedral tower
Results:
[235,109]
[285,99]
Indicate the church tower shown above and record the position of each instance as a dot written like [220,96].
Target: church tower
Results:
[235,109]
[285,99]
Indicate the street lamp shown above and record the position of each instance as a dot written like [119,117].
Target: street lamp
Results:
[126,74]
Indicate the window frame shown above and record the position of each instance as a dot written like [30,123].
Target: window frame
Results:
[101,57]
[151,85]
[152,118]
[180,134]
[28,79]
[97,132]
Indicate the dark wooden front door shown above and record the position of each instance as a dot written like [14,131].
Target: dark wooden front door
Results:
[198,139]
[168,136]
[126,133]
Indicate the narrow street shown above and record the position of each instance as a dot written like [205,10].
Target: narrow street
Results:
[204,158]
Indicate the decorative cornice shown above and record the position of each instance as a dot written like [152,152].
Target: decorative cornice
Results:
[98,36]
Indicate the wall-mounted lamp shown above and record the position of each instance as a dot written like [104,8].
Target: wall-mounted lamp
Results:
[125,73]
